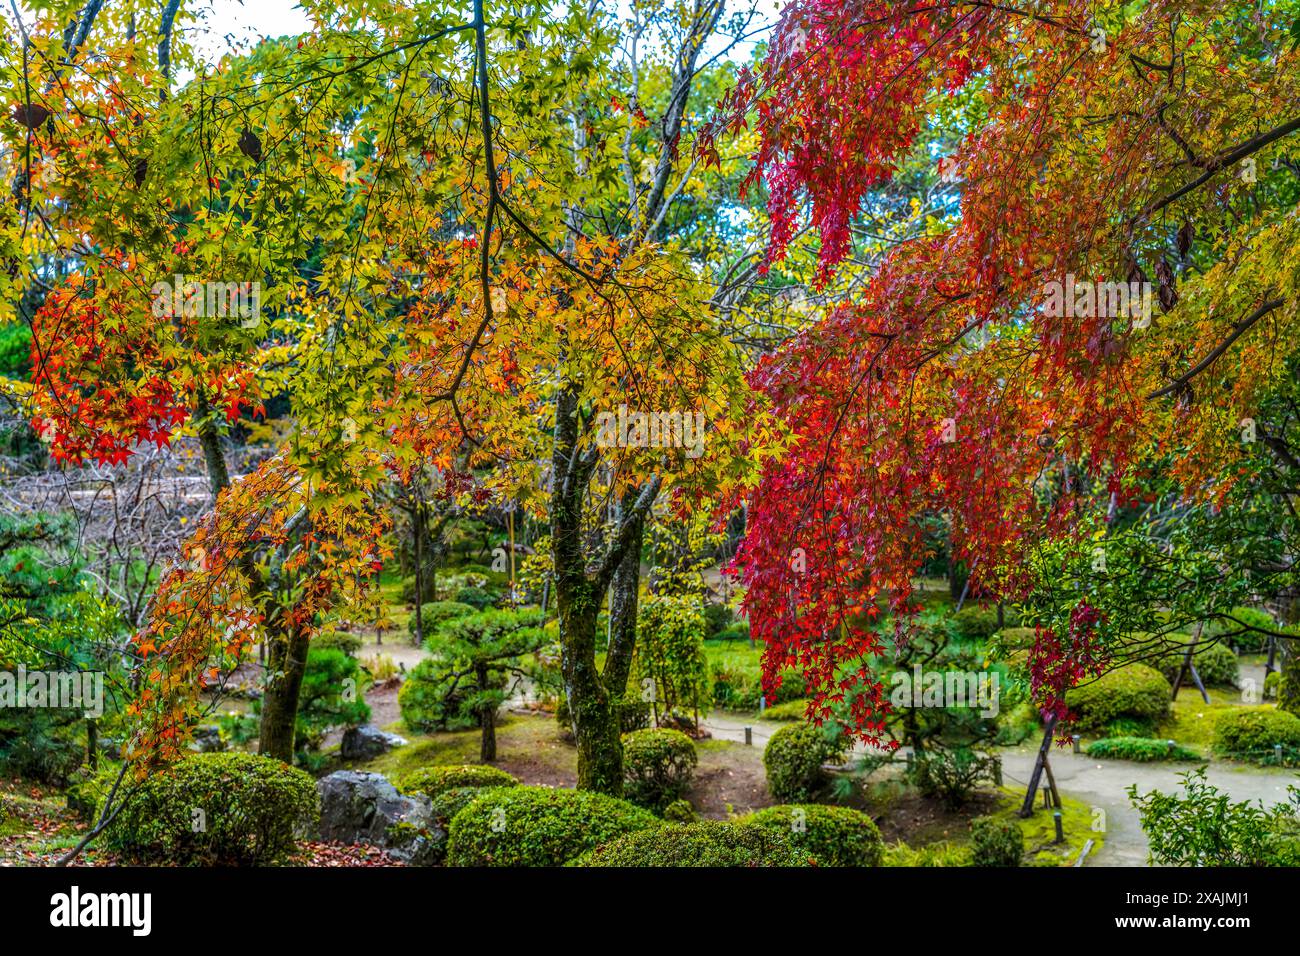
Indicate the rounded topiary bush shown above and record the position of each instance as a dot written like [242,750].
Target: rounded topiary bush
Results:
[657,766]
[1134,692]
[680,811]
[1216,663]
[996,842]
[349,644]
[432,781]
[712,843]
[538,826]
[216,809]
[975,623]
[793,760]
[1016,638]
[438,613]
[831,836]
[478,598]
[1252,732]
[450,802]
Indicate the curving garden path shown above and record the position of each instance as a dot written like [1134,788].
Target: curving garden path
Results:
[1100,784]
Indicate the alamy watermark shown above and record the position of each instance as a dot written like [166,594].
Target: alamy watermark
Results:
[70,690]
[931,688]
[1084,299]
[633,429]
[191,298]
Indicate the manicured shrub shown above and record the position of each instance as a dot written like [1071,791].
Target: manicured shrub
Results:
[717,617]
[711,843]
[1016,638]
[831,836]
[450,802]
[1216,663]
[1133,691]
[216,809]
[657,766]
[790,710]
[680,811]
[975,623]
[342,641]
[1251,733]
[1272,684]
[1249,642]
[1139,749]
[432,781]
[996,842]
[538,826]
[736,631]
[478,598]
[438,613]
[793,760]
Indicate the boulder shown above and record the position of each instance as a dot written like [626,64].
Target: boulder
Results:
[207,739]
[361,807]
[365,743]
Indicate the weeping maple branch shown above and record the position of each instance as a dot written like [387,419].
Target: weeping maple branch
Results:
[1219,163]
[1238,330]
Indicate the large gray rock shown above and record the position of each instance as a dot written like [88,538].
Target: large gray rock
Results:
[361,807]
[207,739]
[365,743]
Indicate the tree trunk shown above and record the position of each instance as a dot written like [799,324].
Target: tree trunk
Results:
[623,610]
[487,720]
[1288,656]
[595,719]
[1288,691]
[417,526]
[285,667]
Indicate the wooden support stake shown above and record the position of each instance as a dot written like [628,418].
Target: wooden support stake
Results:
[1187,666]
[1027,808]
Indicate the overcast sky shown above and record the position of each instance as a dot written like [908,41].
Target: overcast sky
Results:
[221,24]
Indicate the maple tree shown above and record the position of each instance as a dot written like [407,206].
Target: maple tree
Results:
[1109,142]
[433,293]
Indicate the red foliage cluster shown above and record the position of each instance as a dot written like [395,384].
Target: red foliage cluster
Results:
[106,383]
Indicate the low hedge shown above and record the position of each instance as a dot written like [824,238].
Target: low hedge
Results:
[658,765]
[1132,692]
[1252,732]
[216,809]
[538,826]
[712,843]
[831,836]
[1139,749]
[793,761]
[432,781]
